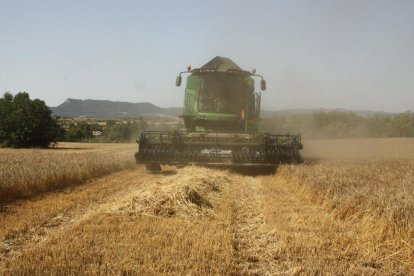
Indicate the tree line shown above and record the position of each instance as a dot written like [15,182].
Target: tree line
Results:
[334,124]
[113,132]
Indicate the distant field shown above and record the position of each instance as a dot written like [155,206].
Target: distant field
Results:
[381,148]
[24,172]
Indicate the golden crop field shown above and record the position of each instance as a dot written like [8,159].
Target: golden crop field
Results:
[24,172]
[348,209]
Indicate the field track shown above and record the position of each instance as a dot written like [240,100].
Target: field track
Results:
[200,221]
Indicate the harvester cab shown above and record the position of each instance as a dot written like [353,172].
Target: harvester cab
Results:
[220,97]
[222,119]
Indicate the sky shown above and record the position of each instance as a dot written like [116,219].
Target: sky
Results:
[313,54]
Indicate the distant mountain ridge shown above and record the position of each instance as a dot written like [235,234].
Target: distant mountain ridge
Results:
[110,110]
[118,110]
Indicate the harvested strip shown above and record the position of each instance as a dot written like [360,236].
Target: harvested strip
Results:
[186,194]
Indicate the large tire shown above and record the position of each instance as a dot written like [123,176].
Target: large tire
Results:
[153,167]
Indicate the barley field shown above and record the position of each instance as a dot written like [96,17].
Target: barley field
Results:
[25,172]
[348,209]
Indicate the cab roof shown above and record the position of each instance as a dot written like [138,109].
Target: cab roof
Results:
[220,64]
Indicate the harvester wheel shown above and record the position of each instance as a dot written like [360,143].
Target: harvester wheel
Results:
[298,160]
[153,167]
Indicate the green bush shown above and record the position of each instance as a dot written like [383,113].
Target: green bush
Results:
[80,132]
[124,132]
[25,122]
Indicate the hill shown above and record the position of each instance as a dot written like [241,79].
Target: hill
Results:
[115,110]
[110,110]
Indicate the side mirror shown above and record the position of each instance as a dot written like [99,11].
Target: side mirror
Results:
[178,81]
[263,85]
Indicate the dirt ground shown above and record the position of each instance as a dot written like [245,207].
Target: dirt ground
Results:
[191,220]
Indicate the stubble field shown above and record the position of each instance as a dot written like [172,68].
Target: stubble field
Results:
[348,209]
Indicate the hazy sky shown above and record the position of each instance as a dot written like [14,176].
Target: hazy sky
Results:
[313,54]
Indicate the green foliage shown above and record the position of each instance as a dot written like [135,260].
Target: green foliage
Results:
[124,132]
[80,132]
[115,131]
[339,124]
[25,122]
[402,125]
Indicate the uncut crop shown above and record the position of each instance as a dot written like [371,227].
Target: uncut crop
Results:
[383,189]
[376,196]
[27,172]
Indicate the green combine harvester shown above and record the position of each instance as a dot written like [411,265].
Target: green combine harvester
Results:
[222,120]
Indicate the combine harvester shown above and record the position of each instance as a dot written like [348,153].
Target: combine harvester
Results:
[222,120]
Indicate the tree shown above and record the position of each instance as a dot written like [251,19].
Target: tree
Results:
[124,132]
[79,132]
[5,121]
[402,125]
[25,122]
